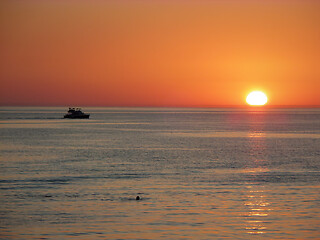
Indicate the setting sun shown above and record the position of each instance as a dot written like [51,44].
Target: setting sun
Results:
[257,98]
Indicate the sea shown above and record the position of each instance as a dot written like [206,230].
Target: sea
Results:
[200,173]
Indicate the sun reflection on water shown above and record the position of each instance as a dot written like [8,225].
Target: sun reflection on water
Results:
[256,203]
[257,210]
[256,135]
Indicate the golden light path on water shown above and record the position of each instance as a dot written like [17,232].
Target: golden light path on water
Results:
[257,205]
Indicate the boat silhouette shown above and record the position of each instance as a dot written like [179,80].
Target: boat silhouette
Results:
[76,113]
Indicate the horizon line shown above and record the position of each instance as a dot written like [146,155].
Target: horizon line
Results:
[170,106]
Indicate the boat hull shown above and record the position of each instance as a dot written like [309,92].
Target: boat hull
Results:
[77,117]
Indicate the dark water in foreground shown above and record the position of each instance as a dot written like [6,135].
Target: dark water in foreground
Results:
[201,174]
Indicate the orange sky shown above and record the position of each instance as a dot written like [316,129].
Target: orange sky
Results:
[159,53]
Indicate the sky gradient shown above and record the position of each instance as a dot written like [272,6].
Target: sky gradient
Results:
[159,53]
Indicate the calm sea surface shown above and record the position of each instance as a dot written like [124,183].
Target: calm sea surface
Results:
[200,173]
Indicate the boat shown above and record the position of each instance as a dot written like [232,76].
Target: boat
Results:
[76,113]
